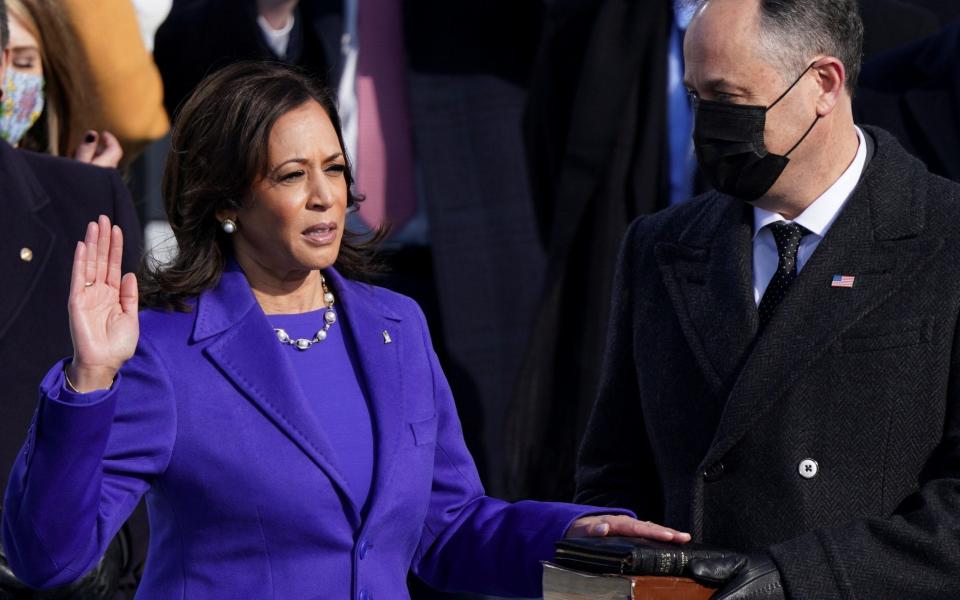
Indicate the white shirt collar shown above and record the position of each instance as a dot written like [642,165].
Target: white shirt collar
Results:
[819,216]
[277,39]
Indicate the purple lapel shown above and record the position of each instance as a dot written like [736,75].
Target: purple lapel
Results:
[379,355]
[248,354]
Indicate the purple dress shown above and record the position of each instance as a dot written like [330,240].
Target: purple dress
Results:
[327,373]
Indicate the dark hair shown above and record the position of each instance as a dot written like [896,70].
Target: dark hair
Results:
[794,31]
[4,25]
[219,149]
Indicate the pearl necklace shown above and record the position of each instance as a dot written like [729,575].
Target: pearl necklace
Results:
[329,318]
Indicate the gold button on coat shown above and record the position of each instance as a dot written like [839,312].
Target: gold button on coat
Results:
[26,254]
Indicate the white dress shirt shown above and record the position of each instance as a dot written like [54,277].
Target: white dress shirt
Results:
[150,15]
[277,39]
[817,219]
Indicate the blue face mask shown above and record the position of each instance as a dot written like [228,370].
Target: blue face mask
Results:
[22,104]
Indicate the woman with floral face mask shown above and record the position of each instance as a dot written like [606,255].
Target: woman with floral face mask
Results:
[44,94]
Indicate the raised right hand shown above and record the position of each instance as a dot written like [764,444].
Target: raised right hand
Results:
[102,307]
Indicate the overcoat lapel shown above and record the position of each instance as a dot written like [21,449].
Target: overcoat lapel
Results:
[22,227]
[708,275]
[379,345]
[875,241]
[248,353]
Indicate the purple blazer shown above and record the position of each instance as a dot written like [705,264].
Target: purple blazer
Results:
[245,497]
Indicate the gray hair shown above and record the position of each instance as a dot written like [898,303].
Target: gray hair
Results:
[792,32]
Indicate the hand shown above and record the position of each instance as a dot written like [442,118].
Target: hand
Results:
[102,150]
[610,525]
[102,307]
[742,576]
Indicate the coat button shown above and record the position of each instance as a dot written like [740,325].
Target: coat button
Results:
[714,472]
[808,468]
[26,254]
[362,549]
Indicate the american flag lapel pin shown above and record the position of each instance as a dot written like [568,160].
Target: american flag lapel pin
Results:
[842,281]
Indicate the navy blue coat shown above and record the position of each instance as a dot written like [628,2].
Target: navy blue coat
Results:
[46,203]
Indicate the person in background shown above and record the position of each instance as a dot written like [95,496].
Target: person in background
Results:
[599,153]
[888,24]
[124,87]
[914,92]
[150,15]
[46,88]
[946,10]
[290,425]
[46,202]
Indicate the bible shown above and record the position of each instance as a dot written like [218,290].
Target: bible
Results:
[560,583]
[624,568]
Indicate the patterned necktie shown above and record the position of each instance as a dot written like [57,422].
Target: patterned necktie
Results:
[787,236]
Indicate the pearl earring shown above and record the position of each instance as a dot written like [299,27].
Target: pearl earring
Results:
[228,226]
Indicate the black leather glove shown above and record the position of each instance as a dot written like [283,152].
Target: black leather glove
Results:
[740,576]
[100,583]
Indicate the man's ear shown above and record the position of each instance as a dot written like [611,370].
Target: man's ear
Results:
[832,78]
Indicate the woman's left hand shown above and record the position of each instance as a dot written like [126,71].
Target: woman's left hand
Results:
[99,149]
[622,525]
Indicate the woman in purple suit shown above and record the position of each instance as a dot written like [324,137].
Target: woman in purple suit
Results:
[290,426]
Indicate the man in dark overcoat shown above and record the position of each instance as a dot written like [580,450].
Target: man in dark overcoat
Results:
[46,204]
[782,375]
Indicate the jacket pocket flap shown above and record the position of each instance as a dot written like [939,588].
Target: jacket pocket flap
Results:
[887,334]
[425,431]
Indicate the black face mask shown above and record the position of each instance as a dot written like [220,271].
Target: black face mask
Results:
[728,139]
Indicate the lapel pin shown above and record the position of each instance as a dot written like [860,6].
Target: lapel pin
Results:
[842,281]
[386,337]
[26,254]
